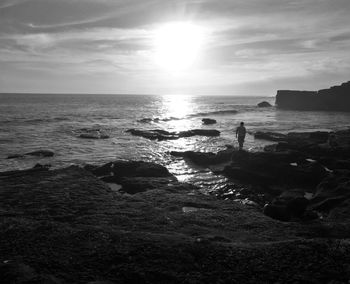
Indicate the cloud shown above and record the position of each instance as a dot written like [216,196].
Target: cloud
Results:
[246,41]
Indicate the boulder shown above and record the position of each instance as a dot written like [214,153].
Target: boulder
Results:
[264,104]
[208,121]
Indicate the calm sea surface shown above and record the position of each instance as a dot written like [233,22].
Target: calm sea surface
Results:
[37,121]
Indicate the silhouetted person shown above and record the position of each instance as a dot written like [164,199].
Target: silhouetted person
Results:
[240,134]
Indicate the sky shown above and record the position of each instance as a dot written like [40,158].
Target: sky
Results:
[248,47]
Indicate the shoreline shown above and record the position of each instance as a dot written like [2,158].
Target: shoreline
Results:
[69,226]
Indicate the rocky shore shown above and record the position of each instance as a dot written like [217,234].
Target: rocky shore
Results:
[134,222]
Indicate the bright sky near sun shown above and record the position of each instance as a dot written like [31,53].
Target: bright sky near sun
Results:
[228,47]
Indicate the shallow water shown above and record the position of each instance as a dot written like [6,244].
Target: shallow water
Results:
[37,121]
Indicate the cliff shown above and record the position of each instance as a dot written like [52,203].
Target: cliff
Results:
[336,98]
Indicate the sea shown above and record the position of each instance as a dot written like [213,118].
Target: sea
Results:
[30,122]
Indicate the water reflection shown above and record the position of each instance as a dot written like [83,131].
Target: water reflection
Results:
[178,106]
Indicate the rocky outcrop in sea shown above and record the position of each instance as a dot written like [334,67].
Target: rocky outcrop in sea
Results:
[336,98]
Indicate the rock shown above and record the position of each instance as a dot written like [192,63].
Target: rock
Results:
[96,135]
[93,133]
[15,156]
[248,176]
[264,104]
[135,185]
[288,168]
[205,159]
[155,134]
[43,167]
[208,121]
[277,212]
[16,272]
[308,137]
[270,136]
[158,134]
[41,153]
[70,224]
[200,132]
[294,201]
[116,170]
[38,153]
[341,212]
[36,169]
[333,99]
[332,191]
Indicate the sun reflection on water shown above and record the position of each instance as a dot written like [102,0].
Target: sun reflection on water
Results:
[177,106]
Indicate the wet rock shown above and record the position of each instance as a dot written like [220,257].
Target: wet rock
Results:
[205,159]
[36,169]
[15,156]
[155,134]
[208,121]
[264,104]
[200,132]
[119,169]
[94,135]
[43,167]
[41,153]
[158,134]
[270,136]
[38,153]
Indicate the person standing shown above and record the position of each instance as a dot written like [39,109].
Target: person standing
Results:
[240,135]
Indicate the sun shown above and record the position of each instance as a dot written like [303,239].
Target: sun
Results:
[177,45]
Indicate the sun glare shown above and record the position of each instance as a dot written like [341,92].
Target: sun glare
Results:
[177,45]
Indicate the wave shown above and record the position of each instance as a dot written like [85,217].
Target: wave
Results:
[199,114]
[217,112]
[35,120]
